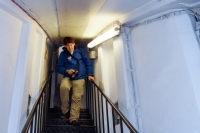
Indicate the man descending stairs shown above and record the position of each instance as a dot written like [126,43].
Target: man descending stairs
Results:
[55,124]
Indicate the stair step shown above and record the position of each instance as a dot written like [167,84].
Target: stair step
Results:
[58,110]
[57,115]
[55,124]
[69,129]
[67,122]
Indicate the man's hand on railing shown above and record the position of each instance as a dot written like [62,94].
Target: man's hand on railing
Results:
[91,78]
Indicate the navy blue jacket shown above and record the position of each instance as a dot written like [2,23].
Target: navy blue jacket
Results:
[64,63]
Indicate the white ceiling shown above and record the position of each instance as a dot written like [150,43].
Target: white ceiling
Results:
[84,19]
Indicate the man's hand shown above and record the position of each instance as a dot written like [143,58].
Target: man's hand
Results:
[70,71]
[90,78]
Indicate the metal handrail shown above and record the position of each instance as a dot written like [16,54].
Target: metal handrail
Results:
[93,101]
[39,110]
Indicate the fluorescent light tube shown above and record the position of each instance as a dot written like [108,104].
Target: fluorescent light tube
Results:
[115,30]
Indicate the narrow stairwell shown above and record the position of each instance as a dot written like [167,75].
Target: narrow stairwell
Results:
[97,118]
[55,124]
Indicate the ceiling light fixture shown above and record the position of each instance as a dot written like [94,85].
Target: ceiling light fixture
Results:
[109,33]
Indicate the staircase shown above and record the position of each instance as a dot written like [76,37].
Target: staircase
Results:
[55,124]
[43,119]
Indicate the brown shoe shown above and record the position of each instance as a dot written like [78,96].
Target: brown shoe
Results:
[75,123]
[65,116]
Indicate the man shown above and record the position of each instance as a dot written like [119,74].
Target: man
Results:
[74,65]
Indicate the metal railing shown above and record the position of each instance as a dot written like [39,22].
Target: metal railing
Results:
[104,112]
[37,118]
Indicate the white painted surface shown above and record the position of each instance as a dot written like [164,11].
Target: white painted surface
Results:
[167,61]
[17,33]
[108,49]
[18,87]
[53,80]
[35,83]
[164,68]
[146,10]
[10,42]
[97,68]
[191,51]
[124,82]
[121,75]
[27,77]
[104,69]
[111,74]
[59,76]
[86,19]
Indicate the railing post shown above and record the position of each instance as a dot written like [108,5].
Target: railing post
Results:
[31,128]
[113,121]
[102,110]
[95,104]
[92,100]
[107,117]
[113,109]
[38,121]
[35,121]
[37,117]
[43,110]
[46,105]
[98,111]
[121,125]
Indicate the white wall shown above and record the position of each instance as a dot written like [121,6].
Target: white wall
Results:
[104,70]
[167,62]
[59,76]
[125,85]
[8,60]
[18,60]
[35,80]
[112,74]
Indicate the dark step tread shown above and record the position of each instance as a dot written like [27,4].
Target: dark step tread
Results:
[68,119]
[58,110]
[81,113]
[67,122]
[57,115]
[70,129]
[71,126]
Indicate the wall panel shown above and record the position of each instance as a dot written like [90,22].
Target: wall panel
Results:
[10,34]
[162,61]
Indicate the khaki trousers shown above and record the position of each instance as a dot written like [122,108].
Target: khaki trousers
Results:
[78,89]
